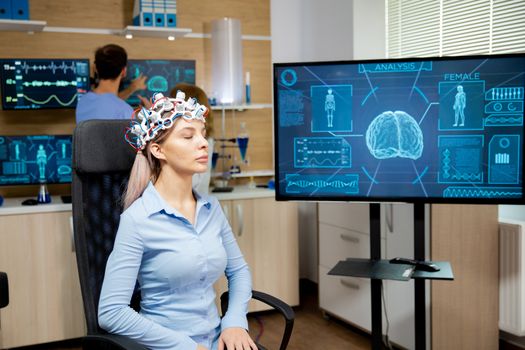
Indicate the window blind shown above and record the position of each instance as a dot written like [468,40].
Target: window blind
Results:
[418,28]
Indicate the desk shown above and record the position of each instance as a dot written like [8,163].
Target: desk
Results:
[13,206]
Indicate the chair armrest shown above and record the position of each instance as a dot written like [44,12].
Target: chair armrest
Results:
[279,305]
[276,303]
[4,290]
[110,342]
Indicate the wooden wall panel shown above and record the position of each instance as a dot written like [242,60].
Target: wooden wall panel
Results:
[88,14]
[465,311]
[254,14]
[116,14]
[260,147]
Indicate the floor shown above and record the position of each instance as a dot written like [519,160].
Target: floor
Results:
[311,330]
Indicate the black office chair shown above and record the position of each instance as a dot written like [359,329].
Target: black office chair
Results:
[101,164]
[4,290]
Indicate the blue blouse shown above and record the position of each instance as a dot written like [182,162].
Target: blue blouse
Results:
[177,264]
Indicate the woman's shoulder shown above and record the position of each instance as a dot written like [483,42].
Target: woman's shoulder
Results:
[135,212]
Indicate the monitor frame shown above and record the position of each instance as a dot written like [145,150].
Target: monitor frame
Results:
[2,88]
[38,183]
[384,199]
[126,80]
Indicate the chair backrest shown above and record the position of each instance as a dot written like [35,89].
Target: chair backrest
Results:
[102,161]
[4,290]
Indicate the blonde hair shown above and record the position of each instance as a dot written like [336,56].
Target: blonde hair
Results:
[146,168]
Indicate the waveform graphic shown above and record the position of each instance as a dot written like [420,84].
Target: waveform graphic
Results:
[322,152]
[335,184]
[468,177]
[63,66]
[325,163]
[43,83]
[509,120]
[323,184]
[58,83]
[68,103]
[481,192]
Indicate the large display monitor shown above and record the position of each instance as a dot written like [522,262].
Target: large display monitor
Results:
[442,130]
[35,159]
[162,76]
[43,83]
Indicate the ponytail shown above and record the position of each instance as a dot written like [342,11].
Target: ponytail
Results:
[138,179]
[145,168]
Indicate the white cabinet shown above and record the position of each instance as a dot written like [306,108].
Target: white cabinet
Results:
[345,297]
[344,232]
[37,252]
[267,234]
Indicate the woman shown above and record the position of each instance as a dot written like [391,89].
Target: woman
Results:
[201,181]
[174,241]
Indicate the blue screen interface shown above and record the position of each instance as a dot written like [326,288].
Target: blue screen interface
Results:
[162,76]
[35,159]
[43,83]
[443,130]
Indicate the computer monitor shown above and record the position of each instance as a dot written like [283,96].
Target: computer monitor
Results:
[34,159]
[162,76]
[43,83]
[433,130]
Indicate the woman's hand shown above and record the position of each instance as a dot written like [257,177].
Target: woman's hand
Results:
[236,338]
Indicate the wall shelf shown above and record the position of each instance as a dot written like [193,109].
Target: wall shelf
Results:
[242,107]
[22,25]
[254,173]
[156,32]
[100,31]
[138,31]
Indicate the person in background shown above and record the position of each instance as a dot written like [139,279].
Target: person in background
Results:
[174,241]
[201,181]
[105,101]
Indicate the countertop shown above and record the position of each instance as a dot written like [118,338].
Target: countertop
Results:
[13,206]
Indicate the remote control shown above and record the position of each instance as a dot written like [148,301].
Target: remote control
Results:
[419,264]
[405,261]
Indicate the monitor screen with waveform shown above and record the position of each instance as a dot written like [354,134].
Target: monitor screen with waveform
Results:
[432,130]
[43,83]
[162,76]
[34,159]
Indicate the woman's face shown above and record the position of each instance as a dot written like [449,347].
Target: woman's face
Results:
[185,149]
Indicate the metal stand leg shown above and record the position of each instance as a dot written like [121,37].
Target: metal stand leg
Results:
[419,284]
[375,254]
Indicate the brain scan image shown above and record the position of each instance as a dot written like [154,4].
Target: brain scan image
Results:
[394,134]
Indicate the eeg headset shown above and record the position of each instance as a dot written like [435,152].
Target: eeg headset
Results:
[146,123]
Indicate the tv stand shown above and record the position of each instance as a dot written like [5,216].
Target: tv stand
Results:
[377,270]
